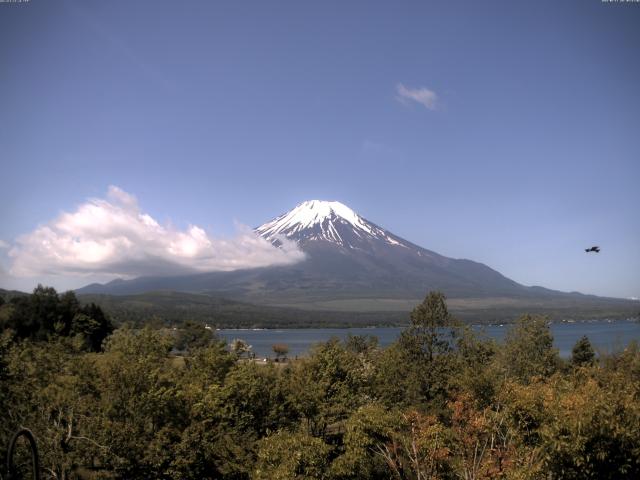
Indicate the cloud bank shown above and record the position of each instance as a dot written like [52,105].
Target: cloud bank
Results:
[114,237]
[423,96]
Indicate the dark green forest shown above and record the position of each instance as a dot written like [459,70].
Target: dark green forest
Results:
[439,403]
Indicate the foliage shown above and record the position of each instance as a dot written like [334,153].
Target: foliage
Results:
[417,448]
[367,430]
[254,400]
[592,430]
[426,348]
[476,365]
[397,381]
[292,456]
[441,402]
[361,344]
[485,445]
[424,339]
[45,313]
[192,336]
[327,387]
[528,349]
[582,353]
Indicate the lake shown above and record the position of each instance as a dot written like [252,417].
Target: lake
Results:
[604,335]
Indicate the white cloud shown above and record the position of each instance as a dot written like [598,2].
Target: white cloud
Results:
[424,96]
[113,237]
[3,244]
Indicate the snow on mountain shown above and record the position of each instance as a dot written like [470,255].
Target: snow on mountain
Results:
[329,221]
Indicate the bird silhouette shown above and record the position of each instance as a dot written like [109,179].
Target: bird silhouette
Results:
[595,249]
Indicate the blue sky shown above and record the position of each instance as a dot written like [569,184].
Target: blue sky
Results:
[504,132]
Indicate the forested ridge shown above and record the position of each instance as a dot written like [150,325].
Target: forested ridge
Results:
[439,403]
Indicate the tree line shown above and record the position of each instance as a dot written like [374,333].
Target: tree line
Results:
[439,403]
[45,313]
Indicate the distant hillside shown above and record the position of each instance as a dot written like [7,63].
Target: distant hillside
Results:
[166,308]
[9,294]
[169,308]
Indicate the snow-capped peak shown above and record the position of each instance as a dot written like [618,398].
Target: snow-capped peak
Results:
[312,212]
[323,220]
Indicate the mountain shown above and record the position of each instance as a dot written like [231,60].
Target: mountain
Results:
[348,253]
[352,264]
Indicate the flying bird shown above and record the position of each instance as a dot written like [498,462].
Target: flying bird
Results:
[592,249]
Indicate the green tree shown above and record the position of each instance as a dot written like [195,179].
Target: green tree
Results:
[427,337]
[327,387]
[211,446]
[207,367]
[367,431]
[193,335]
[53,392]
[592,431]
[528,349]
[142,409]
[44,312]
[582,353]
[397,379]
[361,344]
[207,450]
[427,347]
[254,400]
[292,456]
[33,316]
[68,307]
[7,314]
[6,400]
[417,448]
[477,374]
[101,326]
[92,330]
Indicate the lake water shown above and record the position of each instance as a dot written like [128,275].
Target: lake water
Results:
[605,336]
